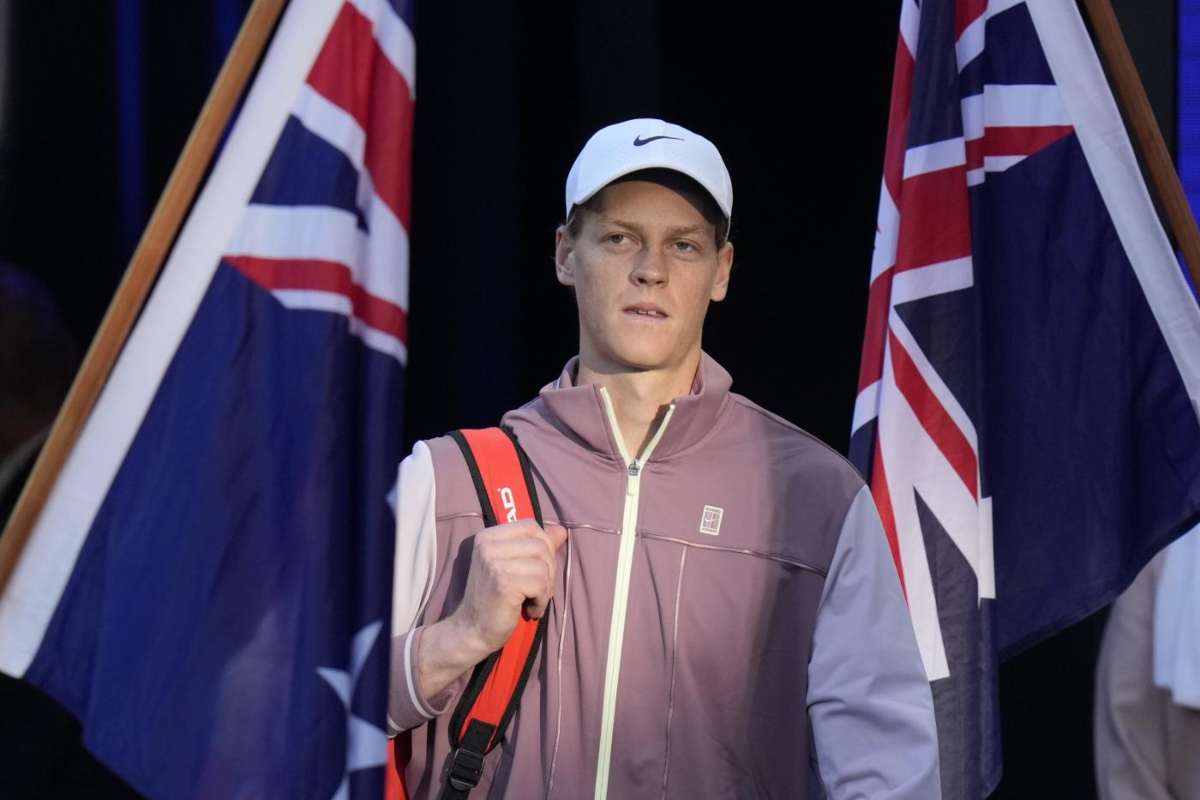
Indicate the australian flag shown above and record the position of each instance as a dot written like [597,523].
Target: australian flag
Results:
[208,588]
[1028,411]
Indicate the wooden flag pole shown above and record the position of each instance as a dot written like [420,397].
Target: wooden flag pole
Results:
[139,276]
[1148,138]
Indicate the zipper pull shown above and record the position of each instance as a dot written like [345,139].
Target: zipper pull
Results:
[634,469]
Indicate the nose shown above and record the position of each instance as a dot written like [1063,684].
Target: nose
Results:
[649,269]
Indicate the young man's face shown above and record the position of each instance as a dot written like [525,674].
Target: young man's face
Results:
[645,267]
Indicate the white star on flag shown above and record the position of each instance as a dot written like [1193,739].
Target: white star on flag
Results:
[366,745]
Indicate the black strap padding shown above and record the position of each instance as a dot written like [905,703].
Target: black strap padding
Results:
[536,647]
[467,700]
[464,767]
[485,502]
[527,471]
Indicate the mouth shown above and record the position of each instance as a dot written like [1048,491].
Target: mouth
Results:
[647,312]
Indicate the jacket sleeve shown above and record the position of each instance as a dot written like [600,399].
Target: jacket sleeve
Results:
[869,700]
[412,581]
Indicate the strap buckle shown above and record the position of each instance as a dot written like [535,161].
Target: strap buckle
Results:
[465,769]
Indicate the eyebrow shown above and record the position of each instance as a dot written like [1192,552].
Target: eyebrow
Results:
[678,230]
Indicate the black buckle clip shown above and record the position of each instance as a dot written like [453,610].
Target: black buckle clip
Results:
[465,769]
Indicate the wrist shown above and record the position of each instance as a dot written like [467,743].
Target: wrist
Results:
[464,637]
[447,652]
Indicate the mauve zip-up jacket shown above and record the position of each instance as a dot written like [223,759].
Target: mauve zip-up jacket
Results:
[727,620]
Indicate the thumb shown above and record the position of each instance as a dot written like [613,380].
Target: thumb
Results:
[557,534]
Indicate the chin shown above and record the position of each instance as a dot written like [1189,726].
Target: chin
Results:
[640,356]
[636,348]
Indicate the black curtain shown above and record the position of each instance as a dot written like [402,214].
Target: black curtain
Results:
[795,95]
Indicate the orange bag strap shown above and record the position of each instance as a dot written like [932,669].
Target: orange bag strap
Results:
[504,482]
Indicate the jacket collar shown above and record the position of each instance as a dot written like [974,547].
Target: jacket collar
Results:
[580,410]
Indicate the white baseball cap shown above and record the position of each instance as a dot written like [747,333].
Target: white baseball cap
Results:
[637,144]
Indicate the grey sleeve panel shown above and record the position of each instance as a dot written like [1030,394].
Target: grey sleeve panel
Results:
[869,700]
[414,570]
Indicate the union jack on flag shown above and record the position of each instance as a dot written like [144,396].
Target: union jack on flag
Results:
[208,588]
[327,225]
[1028,409]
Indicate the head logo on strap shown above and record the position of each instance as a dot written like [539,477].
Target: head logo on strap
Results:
[510,505]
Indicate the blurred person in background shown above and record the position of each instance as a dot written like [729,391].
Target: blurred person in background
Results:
[38,358]
[1147,712]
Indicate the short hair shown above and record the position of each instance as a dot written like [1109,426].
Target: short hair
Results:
[690,189]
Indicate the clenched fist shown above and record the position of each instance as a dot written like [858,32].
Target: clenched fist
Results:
[512,572]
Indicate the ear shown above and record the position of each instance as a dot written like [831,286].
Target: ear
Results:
[564,250]
[724,267]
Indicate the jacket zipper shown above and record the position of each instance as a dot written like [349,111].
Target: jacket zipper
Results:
[616,631]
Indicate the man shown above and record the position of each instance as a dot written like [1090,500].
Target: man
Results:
[725,608]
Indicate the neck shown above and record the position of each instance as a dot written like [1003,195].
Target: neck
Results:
[639,397]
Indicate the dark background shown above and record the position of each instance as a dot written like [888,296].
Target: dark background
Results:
[97,98]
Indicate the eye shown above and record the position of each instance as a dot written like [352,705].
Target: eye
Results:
[615,238]
[684,246]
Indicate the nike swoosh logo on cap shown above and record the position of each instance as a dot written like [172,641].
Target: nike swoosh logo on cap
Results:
[639,141]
